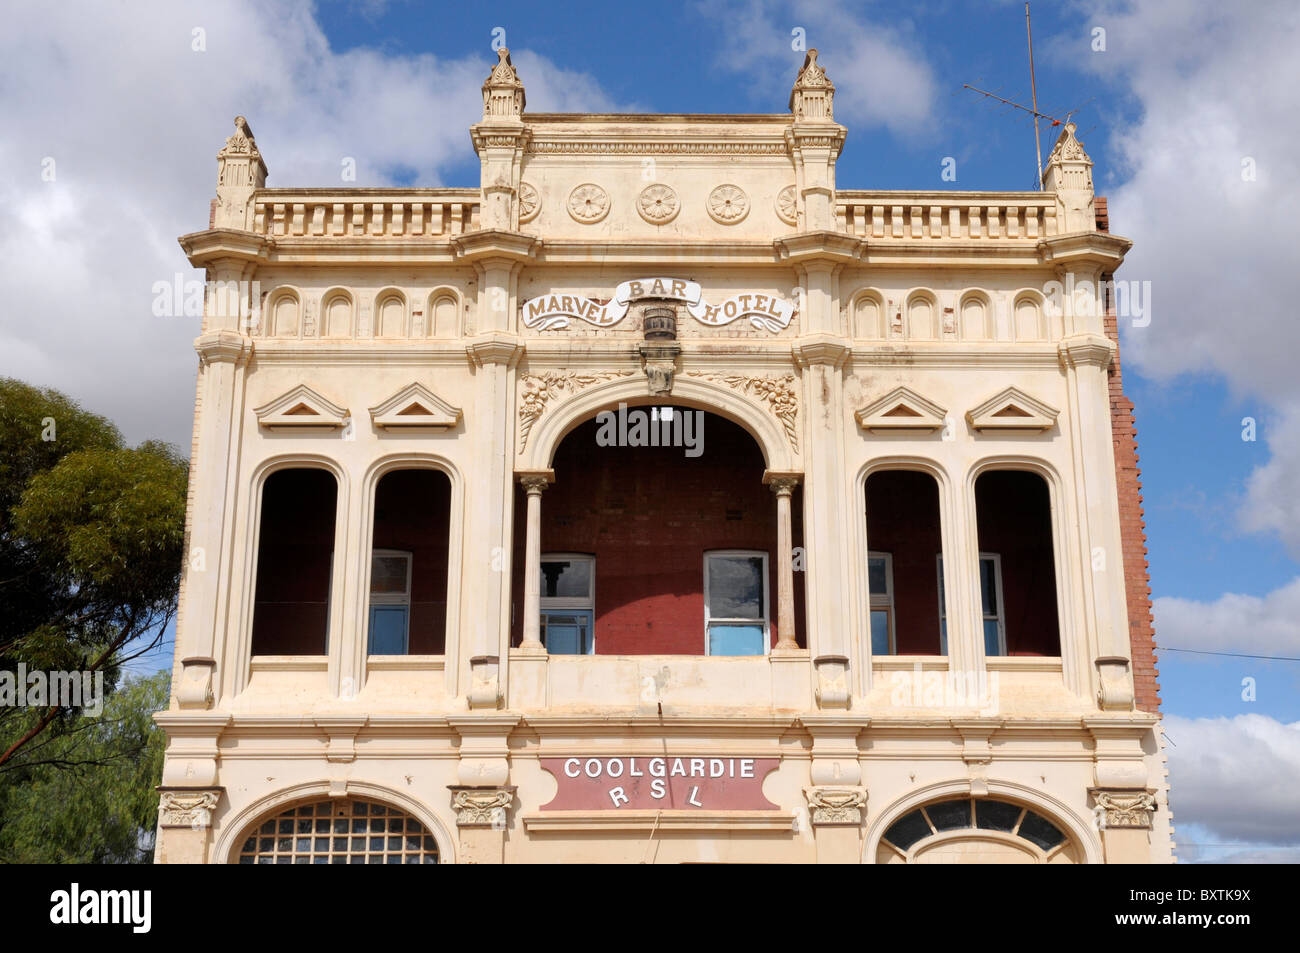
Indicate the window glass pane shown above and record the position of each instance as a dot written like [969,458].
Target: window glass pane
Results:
[388,575]
[388,630]
[991,646]
[879,632]
[949,815]
[879,580]
[566,633]
[1040,830]
[942,609]
[988,587]
[907,830]
[736,587]
[943,636]
[996,815]
[735,639]
[566,578]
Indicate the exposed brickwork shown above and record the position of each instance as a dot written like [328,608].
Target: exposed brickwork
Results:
[1133,538]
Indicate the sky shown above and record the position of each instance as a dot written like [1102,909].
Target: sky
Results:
[114,112]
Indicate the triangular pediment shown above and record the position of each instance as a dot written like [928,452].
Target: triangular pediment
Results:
[301,408]
[901,409]
[1012,409]
[415,407]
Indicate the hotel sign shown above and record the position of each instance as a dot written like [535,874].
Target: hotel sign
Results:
[552,311]
[659,783]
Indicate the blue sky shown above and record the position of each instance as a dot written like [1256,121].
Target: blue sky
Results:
[1180,100]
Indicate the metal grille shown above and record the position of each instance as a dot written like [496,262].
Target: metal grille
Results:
[341,831]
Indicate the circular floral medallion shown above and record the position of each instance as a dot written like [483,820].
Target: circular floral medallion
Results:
[530,203]
[786,208]
[728,204]
[658,204]
[588,203]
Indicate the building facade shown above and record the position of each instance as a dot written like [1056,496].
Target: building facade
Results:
[659,500]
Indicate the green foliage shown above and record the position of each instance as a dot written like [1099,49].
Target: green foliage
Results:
[91,548]
[87,795]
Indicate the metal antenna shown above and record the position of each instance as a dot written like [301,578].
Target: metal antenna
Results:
[1033,88]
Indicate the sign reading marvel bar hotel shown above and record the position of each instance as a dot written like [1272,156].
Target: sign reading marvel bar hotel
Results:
[550,311]
[659,783]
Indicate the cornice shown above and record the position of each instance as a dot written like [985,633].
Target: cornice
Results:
[1092,248]
[490,243]
[821,349]
[835,247]
[1084,350]
[494,347]
[223,347]
[217,244]
[562,251]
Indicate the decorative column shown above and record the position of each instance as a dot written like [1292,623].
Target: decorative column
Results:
[782,485]
[483,795]
[534,482]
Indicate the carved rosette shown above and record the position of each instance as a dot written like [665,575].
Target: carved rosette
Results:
[1132,809]
[658,204]
[777,392]
[192,809]
[537,390]
[530,203]
[588,203]
[830,807]
[728,204]
[482,807]
[787,208]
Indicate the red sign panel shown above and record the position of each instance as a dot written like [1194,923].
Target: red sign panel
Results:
[661,782]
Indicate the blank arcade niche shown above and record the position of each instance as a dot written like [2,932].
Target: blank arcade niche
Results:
[294,555]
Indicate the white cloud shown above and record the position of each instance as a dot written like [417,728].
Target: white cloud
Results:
[133,117]
[880,72]
[1235,777]
[1216,86]
[1268,625]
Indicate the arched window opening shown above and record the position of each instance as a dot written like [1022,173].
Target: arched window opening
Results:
[339,831]
[904,536]
[1017,567]
[294,562]
[407,613]
[974,830]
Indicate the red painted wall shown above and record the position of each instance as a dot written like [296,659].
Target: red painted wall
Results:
[1013,509]
[291,603]
[412,510]
[903,520]
[648,515]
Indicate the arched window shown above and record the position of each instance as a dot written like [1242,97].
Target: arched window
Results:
[868,318]
[339,831]
[974,831]
[442,316]
[904,536]
[976,318]
[295,553]
[1030,325]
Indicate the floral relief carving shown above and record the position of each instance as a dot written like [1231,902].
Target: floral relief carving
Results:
[192,809]
[777,392]
[787,209]
[530,203]
[588,203]
[658,204]
[538,390]
[728,204]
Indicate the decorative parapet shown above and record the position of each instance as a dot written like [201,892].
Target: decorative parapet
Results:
[187,807]
[1123,808]
[836,806]
[365,213]
[969,216]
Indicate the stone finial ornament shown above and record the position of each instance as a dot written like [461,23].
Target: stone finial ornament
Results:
[240,172]
[503,91]
[813,96]
[1069,175]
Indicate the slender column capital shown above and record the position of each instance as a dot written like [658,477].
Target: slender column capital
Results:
[782,482]
[535,481]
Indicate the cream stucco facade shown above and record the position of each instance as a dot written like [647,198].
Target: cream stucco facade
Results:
[468,331]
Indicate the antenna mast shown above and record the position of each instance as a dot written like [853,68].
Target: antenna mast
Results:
[1033,88]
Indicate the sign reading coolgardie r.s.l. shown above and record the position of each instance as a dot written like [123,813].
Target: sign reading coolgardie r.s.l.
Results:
[659,782]
[552,311]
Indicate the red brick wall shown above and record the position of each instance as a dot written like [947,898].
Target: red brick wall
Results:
[648,515]
[1133,538]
